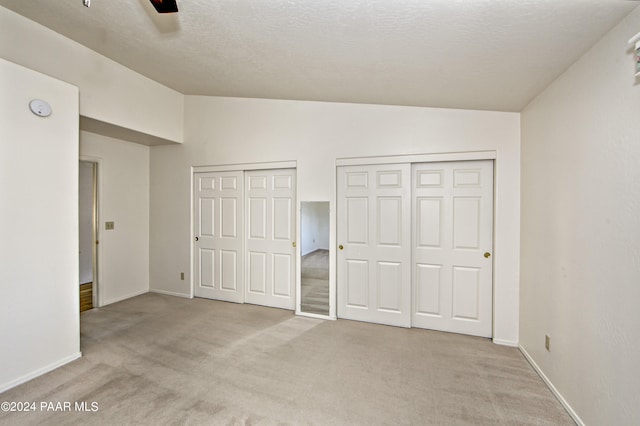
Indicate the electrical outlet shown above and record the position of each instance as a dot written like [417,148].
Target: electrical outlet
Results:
[547,342]
[182,276]
[109,226]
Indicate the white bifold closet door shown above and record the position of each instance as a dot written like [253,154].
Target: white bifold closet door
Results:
[452,246]
[415,245]
[270,237]
[374,237]
[219,266]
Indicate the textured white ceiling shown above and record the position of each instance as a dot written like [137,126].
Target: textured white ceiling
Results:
[474,54]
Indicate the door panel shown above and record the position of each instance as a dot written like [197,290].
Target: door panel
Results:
[466,226]
[374,228]
[206,267]
[270,220]
[282,284]
[207,217]
[453,227]
[229,260]
[257,272]
[257,218]
[357,283]
[282,228]
[427,292]
[389,221]
[228,217]
[390,286]
[218,269]
[357,220]
[466,286]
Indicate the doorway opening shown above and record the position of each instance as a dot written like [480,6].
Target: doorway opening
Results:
[88,235]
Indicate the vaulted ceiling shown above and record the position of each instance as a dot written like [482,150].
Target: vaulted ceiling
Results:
[473,54]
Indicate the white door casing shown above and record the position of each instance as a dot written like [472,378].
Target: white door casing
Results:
[218,226]
[374,237]
[270,237]
[452,246]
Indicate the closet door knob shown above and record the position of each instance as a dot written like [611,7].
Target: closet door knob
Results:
[197,239]
[487,254]
[340,247]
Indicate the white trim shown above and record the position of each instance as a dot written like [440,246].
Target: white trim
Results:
[245,167]
[333,255]
[417,158]
[128,296]
[551,387]
[170,293]
[192,233]
[510,343]
[39,372]
[298,238]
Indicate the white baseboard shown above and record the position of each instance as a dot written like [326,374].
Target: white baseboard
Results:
[552,388]
[121,298]
[510,343]
[170,293]
[39,372]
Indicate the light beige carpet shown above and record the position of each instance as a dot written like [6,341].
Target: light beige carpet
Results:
[155,360]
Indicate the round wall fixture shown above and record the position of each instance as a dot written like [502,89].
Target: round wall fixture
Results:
[40,108]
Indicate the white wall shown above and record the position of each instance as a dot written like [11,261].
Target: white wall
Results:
[123,192]
[580,255]
[232,131]
[109,92]
[39,294]
[85,228]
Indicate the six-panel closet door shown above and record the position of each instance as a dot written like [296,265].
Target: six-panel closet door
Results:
[270,237]
[374,237]
[219,238]
[452,247]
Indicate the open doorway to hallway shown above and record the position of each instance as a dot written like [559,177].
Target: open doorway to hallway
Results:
[88,220]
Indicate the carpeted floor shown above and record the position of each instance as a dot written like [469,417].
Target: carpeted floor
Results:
[158,359]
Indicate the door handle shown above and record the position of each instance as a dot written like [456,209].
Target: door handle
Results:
[341,247]
[293,244]
[487,254]
[197,239]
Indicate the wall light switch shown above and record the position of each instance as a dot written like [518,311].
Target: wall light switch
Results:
[109,226]
[547,342]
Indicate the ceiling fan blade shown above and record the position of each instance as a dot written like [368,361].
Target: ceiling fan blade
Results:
[165,6]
